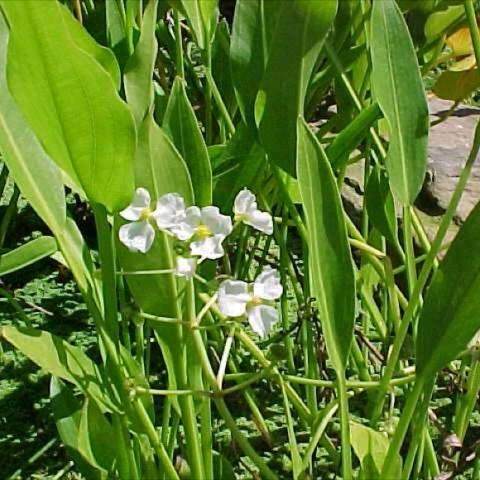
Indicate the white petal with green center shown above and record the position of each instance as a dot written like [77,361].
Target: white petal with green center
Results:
[140,203]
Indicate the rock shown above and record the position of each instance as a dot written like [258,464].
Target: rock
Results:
[449,146]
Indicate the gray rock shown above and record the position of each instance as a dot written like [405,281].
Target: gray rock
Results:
[449,146]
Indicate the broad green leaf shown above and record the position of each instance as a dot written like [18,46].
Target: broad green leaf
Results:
[457,85]
[202,18]
[85,42]
[380,205]
[249,52]
[181,125]
[71,102]
[95,435]
[33,171]
[439,22]
[27,254]
[301,28]
[139,70]
[61,359]
[67,412]
[330,260]
[371,449]
[402,101]
[451,313]
[31,168]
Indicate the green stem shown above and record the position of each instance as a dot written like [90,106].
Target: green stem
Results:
[396,442]
[10,212]
[155,441]
[472,25]
[423,278]
[106,250]
[344,427]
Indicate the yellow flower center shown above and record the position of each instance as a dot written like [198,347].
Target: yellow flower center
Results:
[254,302]
[203,231]
[239,217]
[145,215]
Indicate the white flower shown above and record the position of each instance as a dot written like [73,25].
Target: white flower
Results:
[207,228]
[137,236]
[170,211]
[185,267]
[246,211]
[237,298]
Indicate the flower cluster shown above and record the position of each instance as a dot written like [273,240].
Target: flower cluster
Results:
[203,231]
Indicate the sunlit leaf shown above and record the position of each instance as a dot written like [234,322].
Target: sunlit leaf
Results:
[27,254]
[403,103]
[70,101]
[331,265]
[451,312]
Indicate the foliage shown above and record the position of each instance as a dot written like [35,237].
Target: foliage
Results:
[233,299]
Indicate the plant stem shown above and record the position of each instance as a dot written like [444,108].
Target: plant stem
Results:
[472,25]
[106,250]
[423,278]
[344,427]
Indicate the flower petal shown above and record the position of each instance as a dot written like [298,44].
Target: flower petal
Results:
[262,318]
[261,221]
[233,297]
[137,236]
[185,267]
[267,285]
[209,247]
[141,201]
[245,202]
[170,210]
[217,223]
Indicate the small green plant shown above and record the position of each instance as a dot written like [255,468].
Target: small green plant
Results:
[226,266]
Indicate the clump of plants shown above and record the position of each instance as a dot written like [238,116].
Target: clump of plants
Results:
[227,280]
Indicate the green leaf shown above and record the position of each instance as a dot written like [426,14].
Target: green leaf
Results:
[330,260]
[371,449]
[67,412]
[399,90]
[380,205]
[61,359]
[27,254]
[248,53]
[301,28]
[33,171]
[139,71]
[457,85]
[202,18]
[24,156]
[451,313]
[95,435]
[181,125]
[71,102]
[439,22]
[85,42]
